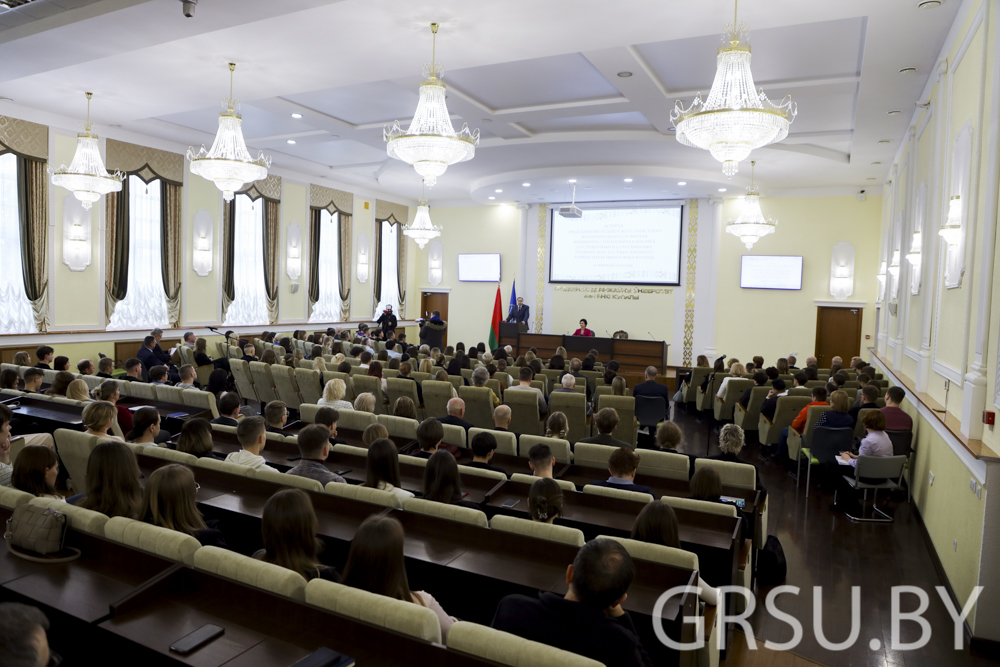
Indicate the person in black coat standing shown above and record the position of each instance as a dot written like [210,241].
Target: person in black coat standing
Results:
[387,320]
[432,333]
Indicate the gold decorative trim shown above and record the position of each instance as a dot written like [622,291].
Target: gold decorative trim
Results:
[268,188]
[24,137]
[331,199]
[692,264]
[152,162]
[540,281]
[384,210]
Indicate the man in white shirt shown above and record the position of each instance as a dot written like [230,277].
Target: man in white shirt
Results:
[524,384]
[390,349]
[252,435]
[366,359]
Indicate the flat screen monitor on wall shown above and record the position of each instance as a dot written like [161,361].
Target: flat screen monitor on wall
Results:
[618,245]
[771,272]
[477,268]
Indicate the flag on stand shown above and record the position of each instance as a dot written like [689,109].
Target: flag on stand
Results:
[513,295]
[497,319]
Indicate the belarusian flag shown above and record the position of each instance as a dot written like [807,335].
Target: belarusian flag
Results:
[495,324]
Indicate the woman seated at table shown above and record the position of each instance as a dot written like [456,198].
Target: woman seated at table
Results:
[383,467]
[78,390]
[373,432]
[35,472]
[145,427]
[288,528]
[97,417]
[110,391]
[333,395]
[196,439]
[201,357]
[455,369]
[545,500]
[838,415]
[442,376]
[59,384]
[168,501]
[8,379]
[376,564]
[218,383]
[442,481]
[404,407]
[113,486]
[706,484]
[268,357]
[583,330]
[365,402]
[375,371]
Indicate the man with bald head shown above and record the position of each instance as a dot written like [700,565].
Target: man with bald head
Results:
[456,412]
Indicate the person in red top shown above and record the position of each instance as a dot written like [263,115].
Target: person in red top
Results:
[583,330]
[895,418]
[799,423]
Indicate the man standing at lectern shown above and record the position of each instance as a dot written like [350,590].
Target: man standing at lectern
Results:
[518,313]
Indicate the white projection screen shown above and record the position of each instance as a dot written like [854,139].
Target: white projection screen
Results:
[771,272]
[483,268]
[623,246]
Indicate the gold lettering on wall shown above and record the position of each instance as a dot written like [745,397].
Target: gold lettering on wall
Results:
[616,293]
[540,282]
[692,263]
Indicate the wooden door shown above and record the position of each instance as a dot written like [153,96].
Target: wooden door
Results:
[838,334]
[431,301]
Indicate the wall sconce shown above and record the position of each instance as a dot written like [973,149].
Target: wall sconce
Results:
[894,272]
[435,263]
[881,282]
[202,231]
[293,251]
[913,257]
[363,252]
[951,231]
[76,234]
[842,271]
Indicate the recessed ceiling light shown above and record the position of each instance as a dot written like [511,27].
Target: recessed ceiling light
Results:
[893,112]
[487,120]
[492,197]
[628,180]
[498,191]
[883,141]
[722,189]
[114,125]
[572,180]
[908,70]
[296,116]
[527,185]
[876,163]
[624,75]
[929,4]
[681,182]
[671,129]
[291,141]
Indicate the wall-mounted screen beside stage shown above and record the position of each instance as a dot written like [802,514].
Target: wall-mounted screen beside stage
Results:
[478,268]
[618,244]
[771,272]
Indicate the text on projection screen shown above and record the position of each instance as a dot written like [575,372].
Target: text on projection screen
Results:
[626,245]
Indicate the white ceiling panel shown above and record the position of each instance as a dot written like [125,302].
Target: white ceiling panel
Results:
[629,120]
[376,102]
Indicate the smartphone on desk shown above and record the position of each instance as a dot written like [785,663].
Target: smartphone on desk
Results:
[510,502]
[342,472]
[739,502]
[197,639]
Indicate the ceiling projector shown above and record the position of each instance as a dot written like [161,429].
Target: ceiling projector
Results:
[570,212]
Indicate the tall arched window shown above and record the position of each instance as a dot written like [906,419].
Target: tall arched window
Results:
[15,314]
[249,306]
[327,307]
[389,266]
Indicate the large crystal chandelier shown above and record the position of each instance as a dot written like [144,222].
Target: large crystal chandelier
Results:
[229,164]
[751,225]
[737,117]
[421,229]
[430,144]
[86,176]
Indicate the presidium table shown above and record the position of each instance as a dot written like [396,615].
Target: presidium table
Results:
[633,355]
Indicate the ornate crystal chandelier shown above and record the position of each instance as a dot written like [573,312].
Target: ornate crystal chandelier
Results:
[229,164]
[86,176]
[951,231]
[737,117]
[750,226]
[430,144]
[421,229]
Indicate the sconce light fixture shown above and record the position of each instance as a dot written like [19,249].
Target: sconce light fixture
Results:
[201,248]
[842,270]
[881,281]
[362,258]
[894,265]
[435,263]
[76,235]
[951,231]
[293,251]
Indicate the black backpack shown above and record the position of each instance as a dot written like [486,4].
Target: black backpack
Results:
[771,565]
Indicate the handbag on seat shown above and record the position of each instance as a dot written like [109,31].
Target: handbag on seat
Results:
[38,534]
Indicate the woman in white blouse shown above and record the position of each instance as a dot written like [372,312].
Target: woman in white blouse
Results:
[333,395]
[736,372]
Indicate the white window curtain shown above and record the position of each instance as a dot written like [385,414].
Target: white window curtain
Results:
[327,308]
[145,303]
[249,306]
[15,315]
[390,268]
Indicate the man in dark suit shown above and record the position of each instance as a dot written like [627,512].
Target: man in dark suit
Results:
[519,313]
[869,400]
[759,380]
[163,357]
[146,354]
[622,465]
[229,409]
[653,388]
[589,620]
[606,421]
[771,402]
[276,416]
[456,411]
[44,355]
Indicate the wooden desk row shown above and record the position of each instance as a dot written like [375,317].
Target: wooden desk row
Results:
[65,415]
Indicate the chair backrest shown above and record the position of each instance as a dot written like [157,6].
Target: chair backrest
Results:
[364,494]
[436,397]
[541,383]
[481,472]
[455,435]
[140,390]
[307,412]
[84,520]
[507,649]
[506,441]
[308,382]
[617,493]
[251,571]
[859,427]
[656,553]
[524,415]
[169,454]
[574,406]
[544,531]
[902,442]
[164,542]
[880,467]
[664,464]
[355,420]
[11,497]
[650,410]
[564,484]
[401,427]
[560,448]
[443,510]
[93,382]
[815,383]
[420,377]
[740,475]
[200,399]
[398,388]
[705,506]
[224,466]
[74,450]
[503,377]
[457,381]
[802,391]
[478,405]
[168,394]
[285,386]
[787,410]
[263,381]
[592,455]
[826,443]
[371,385]
[407,618]
[298,481]
[812,416]
[625,407]
[494,384]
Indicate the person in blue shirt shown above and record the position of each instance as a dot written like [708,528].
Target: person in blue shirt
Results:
[622,465]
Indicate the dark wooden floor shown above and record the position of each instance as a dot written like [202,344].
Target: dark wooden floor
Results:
[828,550]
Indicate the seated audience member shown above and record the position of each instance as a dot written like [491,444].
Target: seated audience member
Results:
[33,378]
[566,387]
[104,367]
[404,407]
[249,354]
[830,387]
[456,414]
[479,378]
[657,524]
[168,501]
[22,358]
[44,354]
[113,486]
[314,447]
[201,357]
[187,374]
[875,443]
[329,417]
[288,529]
[218,383]
[524,377]
[78,390]
[229,410]
[782,366]
[133,371]
[501,418]
[6,469]
[158,375]
[145,427]
[35,471]
[799,379]
[85,367]
[333,395]
[443,481]
[771,402]
[618,386]
[557,426]
[365,402]
[59,384]
[799,423]
[706,484]
[862,381]
[430,433]
[110,392]
[484,445]
[375,371]
[772,373]
[812,373]
[376,564]
[383,467]
[837,416]
[736,372]
[870,372]
[98,416]
[589,619]
[545,501]
[146,354]
[895,418]
[405,368]
[684,379]
[791,362]
[442,376]
[365,358]
[540,460]
[374,432]
[196,439]
[622,465]
[731,441]
[840,379]
[759,380]
[9,379]
[252,434]
[651,387]
[606,421]
[276,415]
[869,400]
[23,638]
[576,370]
[668,436]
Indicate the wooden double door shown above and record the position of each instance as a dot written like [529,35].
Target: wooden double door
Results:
[838,334]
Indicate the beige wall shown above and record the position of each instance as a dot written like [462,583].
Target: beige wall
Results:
[294,210]
[201,294]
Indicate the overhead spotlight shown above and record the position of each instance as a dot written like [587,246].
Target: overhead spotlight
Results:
[290,141]
[893,112]
[188,7]
[296,116]
[908,70]
[928,4]
[876,163]
[572,180]
[487,120]
[628,180]
[883,141]
[681,182]
[498,191]
[870,178]
[624,75]
[526,185]
[722,189]
[492,197]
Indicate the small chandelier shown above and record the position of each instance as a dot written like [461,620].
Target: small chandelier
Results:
[951,231]
[431,144]
[913,257]
[751,225]
[229,164]
[737,117]
[421,229]
[86,176]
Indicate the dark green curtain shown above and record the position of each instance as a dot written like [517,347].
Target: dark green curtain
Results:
[228,250]
[32,195]
[116,247]
[314,231]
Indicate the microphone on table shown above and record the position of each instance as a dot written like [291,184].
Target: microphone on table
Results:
[608,333]
[651,336]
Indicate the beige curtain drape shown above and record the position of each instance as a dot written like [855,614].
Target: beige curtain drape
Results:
[33,196]
[346,226]
[271,227]
[116,254]
[171,248]
[341,203]
[228,247]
